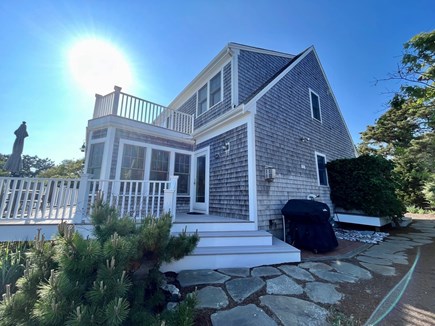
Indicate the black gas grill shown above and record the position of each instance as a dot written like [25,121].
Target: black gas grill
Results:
[309,227]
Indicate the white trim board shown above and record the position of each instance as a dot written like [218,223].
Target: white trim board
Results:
[361,219]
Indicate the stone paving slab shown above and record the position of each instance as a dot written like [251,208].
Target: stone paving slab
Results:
[375,260]
[352,270]
[334,277]
[295,312]
[297,272]
[202,276]
[323,292]
[283,285]
[383,270]
[241,288]
[313,266]
[263,271]
[211,297]
[249,315]
[241,272]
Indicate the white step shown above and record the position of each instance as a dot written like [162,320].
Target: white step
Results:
[236,256]
[233,238]
[212,226]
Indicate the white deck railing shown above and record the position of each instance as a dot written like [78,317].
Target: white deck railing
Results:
[131,107]
[39,199]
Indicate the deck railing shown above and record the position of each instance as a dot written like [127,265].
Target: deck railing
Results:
[131,107]
[39,199]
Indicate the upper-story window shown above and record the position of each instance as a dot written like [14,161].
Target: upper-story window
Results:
[315,106]
[210,94]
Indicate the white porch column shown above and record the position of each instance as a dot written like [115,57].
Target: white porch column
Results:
[116,100]
[170,197]
[80,215]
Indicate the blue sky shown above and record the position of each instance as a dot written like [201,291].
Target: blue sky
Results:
[167,43]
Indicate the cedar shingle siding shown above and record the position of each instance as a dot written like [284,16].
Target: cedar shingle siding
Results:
[283,118]
[255,69]
[229,174]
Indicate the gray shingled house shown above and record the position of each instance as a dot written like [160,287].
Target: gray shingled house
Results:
[251,131]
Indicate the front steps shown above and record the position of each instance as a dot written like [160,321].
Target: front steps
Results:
[230,249]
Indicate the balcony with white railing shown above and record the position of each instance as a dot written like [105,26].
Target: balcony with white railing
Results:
[131,107]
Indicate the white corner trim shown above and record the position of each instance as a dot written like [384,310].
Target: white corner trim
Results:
[252,171]
[249,105]
[235,78]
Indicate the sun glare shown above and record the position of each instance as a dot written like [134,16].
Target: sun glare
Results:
[97,66]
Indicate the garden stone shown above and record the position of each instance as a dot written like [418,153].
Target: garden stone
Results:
[322,292]
[240,272]
[334,276]
[295,312]
[283,285]
[312,266]
[375,260]
[379,269]
[172,290]
[265,271]
[297,272]
[171,306]
[249,315]
[211,297]
[352,270]
[202,276]
[241,288]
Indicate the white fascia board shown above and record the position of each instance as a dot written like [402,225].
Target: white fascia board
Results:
[207,73]
[259,50]
[140,127]
[333,97]
[252,104]
[225,122]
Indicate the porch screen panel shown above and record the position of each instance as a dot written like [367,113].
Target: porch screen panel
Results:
[133,163]
[182,170]
[95,160]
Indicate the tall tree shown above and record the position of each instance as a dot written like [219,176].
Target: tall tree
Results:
[406,131]
[66,169]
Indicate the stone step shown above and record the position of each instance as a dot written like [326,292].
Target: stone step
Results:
[236,256]
[233,238]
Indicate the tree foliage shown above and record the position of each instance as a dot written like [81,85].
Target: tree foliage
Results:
[32,165]
[405,133]
[69,169]
[366,184]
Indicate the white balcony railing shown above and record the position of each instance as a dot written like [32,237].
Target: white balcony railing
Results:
[39,199]
[131,107]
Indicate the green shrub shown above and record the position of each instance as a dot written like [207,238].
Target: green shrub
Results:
[109,280]
[366,184]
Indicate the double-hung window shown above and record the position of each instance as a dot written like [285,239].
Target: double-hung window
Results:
[315,106]
[321,169]
[133,162]
[182,169]
[210,94]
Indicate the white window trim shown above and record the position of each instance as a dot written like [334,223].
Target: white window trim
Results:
[208,93]
[148,153]
[317,169]
[311,105]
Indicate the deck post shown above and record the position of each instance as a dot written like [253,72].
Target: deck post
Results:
[170,197]
[116,100]
[97,106]
[82,200]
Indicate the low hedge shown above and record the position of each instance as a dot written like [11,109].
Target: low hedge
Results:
[365,183]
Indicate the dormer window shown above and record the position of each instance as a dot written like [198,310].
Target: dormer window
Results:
[315,106]
[210,94]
